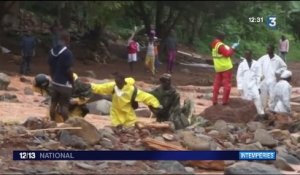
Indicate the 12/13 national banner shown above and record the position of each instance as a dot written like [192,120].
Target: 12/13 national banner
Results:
[144,155]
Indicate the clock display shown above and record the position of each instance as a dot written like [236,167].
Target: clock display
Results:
[256,19]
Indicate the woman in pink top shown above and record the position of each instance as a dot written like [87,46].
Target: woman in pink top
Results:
[283,47]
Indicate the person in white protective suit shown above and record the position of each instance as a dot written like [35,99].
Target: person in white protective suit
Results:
[270,64]
[248,80]
[282,94]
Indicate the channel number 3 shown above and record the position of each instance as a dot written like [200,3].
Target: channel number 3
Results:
[271,21]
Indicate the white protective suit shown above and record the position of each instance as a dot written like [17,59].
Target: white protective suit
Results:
[248,80]
[281,97]
[268,69]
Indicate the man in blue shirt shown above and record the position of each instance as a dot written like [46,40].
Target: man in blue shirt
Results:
[60,62]
[28,44]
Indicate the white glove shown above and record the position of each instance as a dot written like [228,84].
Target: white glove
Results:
[235,45]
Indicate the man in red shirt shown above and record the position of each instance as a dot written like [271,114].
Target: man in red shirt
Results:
[221,54]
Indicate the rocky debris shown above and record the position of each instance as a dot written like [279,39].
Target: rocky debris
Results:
[253,126]
[143,112]
[221,126]
[252,146]
[33,123]
[250,168]
[237,111]
[51,145]
[28,91]
[185,70]
[9,98]
[106,143]
[294,127]
[171,167]
[193,142]
[295,137]
[72,140]
[25,80]
[101,107]
[189,169]
[4,81]
[282,164]
[280,135]
[90,74]
[264,138]
[84,166]
[89,134]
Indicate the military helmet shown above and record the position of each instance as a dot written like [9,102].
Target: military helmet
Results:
[41,81]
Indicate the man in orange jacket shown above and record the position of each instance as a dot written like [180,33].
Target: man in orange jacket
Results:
[221,54]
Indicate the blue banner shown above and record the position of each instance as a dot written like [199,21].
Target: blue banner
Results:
[144,155]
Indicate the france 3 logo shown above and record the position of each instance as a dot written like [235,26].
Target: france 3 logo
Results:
[271,22]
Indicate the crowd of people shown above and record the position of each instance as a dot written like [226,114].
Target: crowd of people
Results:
[265,82]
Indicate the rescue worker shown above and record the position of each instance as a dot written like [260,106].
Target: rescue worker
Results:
[248,80]
[282,92]
[125,97]
[270,64]
[221,54]
[169,98]
[81,94]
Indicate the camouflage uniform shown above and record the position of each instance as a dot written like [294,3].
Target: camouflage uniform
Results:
[170,100]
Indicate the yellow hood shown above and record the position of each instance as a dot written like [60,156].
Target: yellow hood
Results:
[130,81]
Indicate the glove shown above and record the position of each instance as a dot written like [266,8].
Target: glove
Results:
[235,45]
[155,110]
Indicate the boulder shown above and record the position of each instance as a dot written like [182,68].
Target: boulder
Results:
[282,164]
[294,127]
[72,140]
[100,107]
[38,123]
[51,145]
[25,80]
[221,126]
[193,142]
[4,81]
[252,146]
[250,168]
[28,91]
[253,126]
[279,134]
[143,112]
[237,111]
[171,167]
[9,98]
[88,133]
[295,137]
[264,138]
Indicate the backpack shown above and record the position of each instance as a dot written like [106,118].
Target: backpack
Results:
[132,48]
[134,104]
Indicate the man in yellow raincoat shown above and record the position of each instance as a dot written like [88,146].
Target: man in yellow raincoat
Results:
[122,90]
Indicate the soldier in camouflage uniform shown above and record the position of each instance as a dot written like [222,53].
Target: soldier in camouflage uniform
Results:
[80,95]
[169,98]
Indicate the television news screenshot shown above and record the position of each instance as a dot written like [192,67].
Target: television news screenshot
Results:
[149,87]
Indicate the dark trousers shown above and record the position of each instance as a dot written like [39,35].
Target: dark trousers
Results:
[25,65]
[60,101]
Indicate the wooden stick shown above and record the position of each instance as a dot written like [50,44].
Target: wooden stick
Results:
[53,129]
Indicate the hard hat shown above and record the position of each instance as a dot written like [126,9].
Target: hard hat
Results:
[41,81]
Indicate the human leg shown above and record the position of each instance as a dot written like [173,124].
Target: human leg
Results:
[226,81]
[216,87]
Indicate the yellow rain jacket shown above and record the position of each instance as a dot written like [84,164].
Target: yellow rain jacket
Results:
[121,111]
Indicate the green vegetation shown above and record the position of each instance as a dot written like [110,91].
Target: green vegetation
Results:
[195,22]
